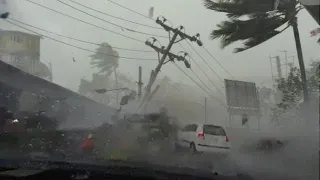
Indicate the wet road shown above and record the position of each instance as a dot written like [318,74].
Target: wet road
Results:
[290,163]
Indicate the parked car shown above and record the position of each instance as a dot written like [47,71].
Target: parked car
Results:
[203,138]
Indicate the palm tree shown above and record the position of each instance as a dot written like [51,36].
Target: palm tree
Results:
[106,59]
[251,21]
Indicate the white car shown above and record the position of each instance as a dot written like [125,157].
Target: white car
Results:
[204,138]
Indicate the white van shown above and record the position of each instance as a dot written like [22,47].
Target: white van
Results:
[203,138]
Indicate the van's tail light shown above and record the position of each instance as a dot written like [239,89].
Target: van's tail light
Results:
[201,135]
[227,139]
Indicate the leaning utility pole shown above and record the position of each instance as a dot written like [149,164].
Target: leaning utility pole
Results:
[116,81]
[166,52]
[140,82]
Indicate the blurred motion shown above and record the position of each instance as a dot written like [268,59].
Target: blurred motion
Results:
[103,89]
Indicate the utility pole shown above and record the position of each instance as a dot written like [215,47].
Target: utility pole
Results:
[166,51]
[272,76]
[286,59]
[205,110]
[140,82]
[116,80]
[279,67]
[150,97]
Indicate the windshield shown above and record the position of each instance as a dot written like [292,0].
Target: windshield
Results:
[137,80]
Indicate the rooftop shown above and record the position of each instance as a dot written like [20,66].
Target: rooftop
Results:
[19,32]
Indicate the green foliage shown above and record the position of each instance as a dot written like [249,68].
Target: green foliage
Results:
[105,59]
[250,21]
[291,92]
[291,89]
[313,76]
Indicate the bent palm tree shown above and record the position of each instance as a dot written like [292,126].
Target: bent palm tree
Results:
[105,59]
[259,25]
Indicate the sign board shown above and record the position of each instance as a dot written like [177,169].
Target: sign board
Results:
[242,97]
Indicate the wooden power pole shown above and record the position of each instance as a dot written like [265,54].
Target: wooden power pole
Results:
[140,82]
[165,51]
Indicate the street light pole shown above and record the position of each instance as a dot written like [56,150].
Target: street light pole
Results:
[286,59]
[205,110]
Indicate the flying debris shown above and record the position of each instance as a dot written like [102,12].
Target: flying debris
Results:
[315,32]
[151,12]
[4,15]
[73,59]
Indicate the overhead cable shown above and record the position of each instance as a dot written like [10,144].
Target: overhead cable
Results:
[218,63]
[204,90]
[116,17]
[114,32]
[84,49]
[205,62]
[130,9]
[151,19]
[203,72]
[114,24]
[79,40]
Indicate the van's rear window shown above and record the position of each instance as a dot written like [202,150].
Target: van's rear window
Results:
[214,130]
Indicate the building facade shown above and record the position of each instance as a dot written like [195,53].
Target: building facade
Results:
[20,49]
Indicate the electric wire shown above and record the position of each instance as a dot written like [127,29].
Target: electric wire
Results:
[114,24]
[116,17]
[129,9]
[203,71]
[205,61]
[79,40]
[188,42]
[218,62]
[203,89]
[84,49]
[86,22]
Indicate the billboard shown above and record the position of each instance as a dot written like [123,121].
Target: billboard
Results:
[242,97]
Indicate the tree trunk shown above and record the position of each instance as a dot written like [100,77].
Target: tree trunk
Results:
[116,79]
[300,59]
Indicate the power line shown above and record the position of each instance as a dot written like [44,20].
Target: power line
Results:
[129,37]
[79,40]
[204,84]
[116,17]
[117,25]
[218,62]
[192,47]
[203,71]
[204,90]
[123,57]
[129,9]
[205,62]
